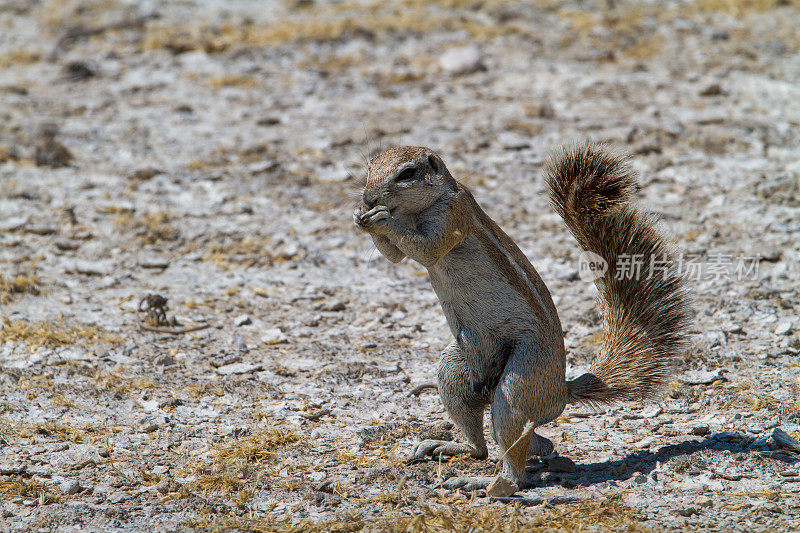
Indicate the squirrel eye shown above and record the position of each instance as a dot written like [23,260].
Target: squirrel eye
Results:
[432,162]
[407,174]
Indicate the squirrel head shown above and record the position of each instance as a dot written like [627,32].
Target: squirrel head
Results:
[407,180]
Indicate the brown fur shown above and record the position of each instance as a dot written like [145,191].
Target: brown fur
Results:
[645,319]
[508,348]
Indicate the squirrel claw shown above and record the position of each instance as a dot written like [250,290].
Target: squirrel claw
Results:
[436,449]
[468,484]
[365,219]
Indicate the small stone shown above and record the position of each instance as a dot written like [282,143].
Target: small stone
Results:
[336,306]
[7,469]
[501,487]
[149,427]
[238,368]
[713,89]
[701,430]
[703,501]
[70,487]
[89,268]
[167,485]
[785,440]
[66,246]
[701,377]
[51,153]
[716,338]
[164,360]
[462,60]
[686,511]
[652,411]
[41,230]
[274,336]
[242,320]
[539,109]
[13,224]
[513,141]
[324,485]
[118,497]
[154,263]
[144,174]
[784,326]
[239,343]
[79,70]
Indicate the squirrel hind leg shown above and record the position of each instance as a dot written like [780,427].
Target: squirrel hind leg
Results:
[464,406]
[529,394]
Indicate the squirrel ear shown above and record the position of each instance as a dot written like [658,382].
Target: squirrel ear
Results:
[433,163]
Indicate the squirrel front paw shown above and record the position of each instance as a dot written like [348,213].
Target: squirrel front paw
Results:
[371,219]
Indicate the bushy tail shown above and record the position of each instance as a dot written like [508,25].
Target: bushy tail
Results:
[645,306]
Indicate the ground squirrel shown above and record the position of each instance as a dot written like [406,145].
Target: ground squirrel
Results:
[508,346]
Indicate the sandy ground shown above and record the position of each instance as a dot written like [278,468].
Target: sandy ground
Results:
[213,153]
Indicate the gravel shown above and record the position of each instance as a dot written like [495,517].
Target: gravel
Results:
[214,154]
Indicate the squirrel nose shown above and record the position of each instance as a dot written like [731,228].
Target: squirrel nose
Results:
[369,199]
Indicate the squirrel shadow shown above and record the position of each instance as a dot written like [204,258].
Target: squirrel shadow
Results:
[562,471]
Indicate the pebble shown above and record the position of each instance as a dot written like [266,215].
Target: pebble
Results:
[784,326]
[164,360]
[701,377]
[154,263]
[700,430]
[238,368]
[652,411]
[501,487]
[242,320]
[7,469]
[462,60]
[785,440]
[70,487]
[239,343]
[13,223]
[89,268]
[149,427]
[336,306]
[703,501]
[713,89]
[274,336]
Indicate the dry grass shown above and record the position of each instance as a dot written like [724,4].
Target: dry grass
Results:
[244,251]
[149,228]
[366,459]
[93,433]
[228,80]
[120,384]
[587,515]
[372,20]
[258,524]
[742,7]
[19,57]
[54,333]
[26,284]
[223,472]
[27,488]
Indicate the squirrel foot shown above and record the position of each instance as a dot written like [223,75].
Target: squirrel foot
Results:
[437,449]
[468,483]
